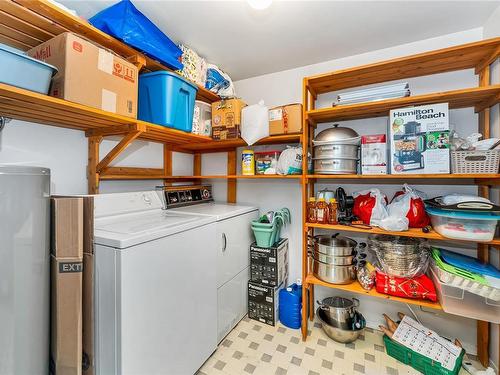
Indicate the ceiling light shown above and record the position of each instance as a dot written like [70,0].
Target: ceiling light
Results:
[259,4]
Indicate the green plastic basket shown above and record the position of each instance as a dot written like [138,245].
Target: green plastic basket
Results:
[265,237]
[419,362]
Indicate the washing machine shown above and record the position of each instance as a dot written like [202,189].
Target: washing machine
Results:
[233,240]
[155,286]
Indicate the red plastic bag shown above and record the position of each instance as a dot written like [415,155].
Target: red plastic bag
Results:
[410,202]
[369,206]
[420,287]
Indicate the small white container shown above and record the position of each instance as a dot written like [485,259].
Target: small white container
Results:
[202,118]
[458,301]
[457,225]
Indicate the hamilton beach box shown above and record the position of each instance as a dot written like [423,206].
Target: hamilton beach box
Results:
[419,139]
[90,75]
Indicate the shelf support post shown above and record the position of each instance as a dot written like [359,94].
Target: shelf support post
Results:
[231,171]
[93,159]
[167,163]
[197,166]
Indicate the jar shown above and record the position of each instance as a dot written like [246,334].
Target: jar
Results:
[247,163]
[332,212]
[266,162]
[322,211]
[311,210]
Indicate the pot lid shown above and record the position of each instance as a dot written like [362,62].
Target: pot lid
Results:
[337,133]
[336,240]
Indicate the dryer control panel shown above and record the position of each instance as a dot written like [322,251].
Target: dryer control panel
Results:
[186,195]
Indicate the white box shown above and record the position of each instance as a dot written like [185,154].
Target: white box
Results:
[419,139]
[374,154]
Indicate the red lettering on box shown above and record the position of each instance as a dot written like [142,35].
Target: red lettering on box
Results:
[77,46]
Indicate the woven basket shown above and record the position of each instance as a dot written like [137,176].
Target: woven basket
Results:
[475,162]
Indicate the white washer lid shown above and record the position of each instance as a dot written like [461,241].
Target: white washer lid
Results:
[221,211]
[122,231]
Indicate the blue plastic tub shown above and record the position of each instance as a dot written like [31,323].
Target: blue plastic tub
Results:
[166,99]
[20,70]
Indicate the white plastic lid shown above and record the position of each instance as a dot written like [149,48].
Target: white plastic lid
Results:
[288,289]
[299,281]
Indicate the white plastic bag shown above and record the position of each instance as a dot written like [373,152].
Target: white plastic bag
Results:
[254,123]
[290,161]
[379,211]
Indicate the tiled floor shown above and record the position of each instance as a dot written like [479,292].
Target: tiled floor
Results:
[258,349]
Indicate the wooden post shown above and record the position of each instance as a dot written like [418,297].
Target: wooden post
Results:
[93,160]
[167,163]
[231,182]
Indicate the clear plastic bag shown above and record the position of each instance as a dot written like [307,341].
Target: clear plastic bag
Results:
[254,123]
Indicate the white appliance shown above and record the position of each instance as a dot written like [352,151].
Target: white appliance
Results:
[155,287]
[234,237]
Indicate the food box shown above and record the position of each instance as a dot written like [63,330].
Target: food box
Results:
[285,119]
[89,75]
[374,154]
[263,302]
[419,139]
[269,265]
[226,119]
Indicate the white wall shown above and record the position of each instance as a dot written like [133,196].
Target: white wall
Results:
[65,152]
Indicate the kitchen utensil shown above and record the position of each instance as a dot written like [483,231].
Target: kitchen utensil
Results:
[336,151]
[335,165]
[339,310]
[335,260]
[325,194]
[345,205]
[333,274]
[335,245]
[336,333]
[336,134]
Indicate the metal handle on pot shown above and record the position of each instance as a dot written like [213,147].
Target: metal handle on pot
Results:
[322,306]
[355,302]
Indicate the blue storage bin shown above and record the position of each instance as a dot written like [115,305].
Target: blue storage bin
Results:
[166,99]
[20,70]
[290,306]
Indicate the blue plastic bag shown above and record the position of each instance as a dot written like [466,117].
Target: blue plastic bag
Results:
[124,21]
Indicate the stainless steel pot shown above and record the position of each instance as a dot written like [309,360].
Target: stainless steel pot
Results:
[333,274]
[335,245]
[340,310]
[336,151]
[335,333]
[337,134]
[334,260]
[335,166]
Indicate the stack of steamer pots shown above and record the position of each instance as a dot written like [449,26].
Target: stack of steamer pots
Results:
[333,258]
[336,151]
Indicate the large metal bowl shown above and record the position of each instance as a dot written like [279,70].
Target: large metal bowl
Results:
[337,334]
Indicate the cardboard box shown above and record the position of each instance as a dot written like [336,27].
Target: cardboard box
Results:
[374,154]
[285,119]
[226,119]
[269,265]
[66,285]
[67,227]
[263,302]
[90,75]
[66,316]
[420,139]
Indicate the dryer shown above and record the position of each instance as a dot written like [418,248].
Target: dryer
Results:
[233,240]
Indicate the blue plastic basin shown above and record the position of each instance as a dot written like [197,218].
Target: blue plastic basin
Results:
[166,99]
[20,70]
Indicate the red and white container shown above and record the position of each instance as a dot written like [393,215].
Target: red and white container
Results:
[374,154]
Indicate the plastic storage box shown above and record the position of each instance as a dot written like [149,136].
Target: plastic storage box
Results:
[202,118]
[20,70]
[458,301]
[478,227]
[166,99]
[419,362]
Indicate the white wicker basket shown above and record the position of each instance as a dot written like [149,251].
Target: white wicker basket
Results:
[475,162]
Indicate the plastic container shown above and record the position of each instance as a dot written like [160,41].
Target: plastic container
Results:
[266,160]
[290,306]
[20,70]
[457,225]
[202,118]
[166,99]
[458,301]
[419,362]
[475,162]
[247,163]
[266,235]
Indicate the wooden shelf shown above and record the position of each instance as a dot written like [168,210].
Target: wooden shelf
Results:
[478,97]
[28,23]
[426,179]
[112,174]
[355,287]
[472,55]
[412,232]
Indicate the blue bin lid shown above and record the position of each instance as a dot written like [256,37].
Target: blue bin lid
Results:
[18,52]
[168,73]
[462,214]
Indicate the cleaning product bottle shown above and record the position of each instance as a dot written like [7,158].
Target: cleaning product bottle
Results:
[311,210]
[247,163]
[290,305]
